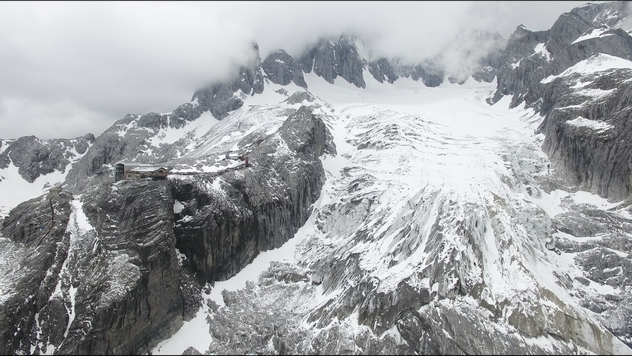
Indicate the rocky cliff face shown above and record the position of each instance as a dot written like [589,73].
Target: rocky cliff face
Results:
[586,130]
[112,281]
[592,158]
[259,207]
[34,267]
[35,157]
[332,59]
[577,35]
[108,286]
[282,69]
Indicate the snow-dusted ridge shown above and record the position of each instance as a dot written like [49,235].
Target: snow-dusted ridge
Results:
[597,63]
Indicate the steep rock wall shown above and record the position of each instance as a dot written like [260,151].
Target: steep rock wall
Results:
[110,282]
[38,266]
[259,207]
[596,158]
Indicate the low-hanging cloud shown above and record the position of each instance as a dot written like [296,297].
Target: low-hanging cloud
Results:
[69,68]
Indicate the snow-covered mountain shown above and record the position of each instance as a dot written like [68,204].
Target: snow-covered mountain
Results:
[478,202]
[29,165]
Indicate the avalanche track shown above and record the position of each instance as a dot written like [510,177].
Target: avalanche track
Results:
[436,202]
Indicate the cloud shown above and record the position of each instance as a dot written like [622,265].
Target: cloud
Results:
[24,117]
[68,68]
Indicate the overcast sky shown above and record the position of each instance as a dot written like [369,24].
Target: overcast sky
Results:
[69,68]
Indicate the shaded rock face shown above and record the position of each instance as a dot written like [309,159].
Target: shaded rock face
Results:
[110,283]
[523,67]
[513,75]
[332,59]
[382,70]
[281,69]
[596,158]
[148,301]
[216,235]
[260,208]
[35,157]
[430,76]
[25,295]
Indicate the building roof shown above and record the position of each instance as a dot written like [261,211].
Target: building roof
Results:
[146,168]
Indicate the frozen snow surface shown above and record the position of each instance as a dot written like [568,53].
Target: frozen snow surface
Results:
[592,33]
[597,63]
[411,158]
[598,126]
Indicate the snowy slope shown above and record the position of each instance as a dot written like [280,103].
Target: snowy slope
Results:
[430,185]
[14,189]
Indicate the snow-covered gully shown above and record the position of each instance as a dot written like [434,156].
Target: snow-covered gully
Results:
[431,190]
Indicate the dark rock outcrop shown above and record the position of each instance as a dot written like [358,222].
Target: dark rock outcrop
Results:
[260,207]
[29,290]
[299,97]
[282,69]
[112,289]
[429,75]
[595,157]
[382,70]
[513,76]
[332,59]
[35,157]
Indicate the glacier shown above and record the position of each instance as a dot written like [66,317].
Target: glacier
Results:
[430,187]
